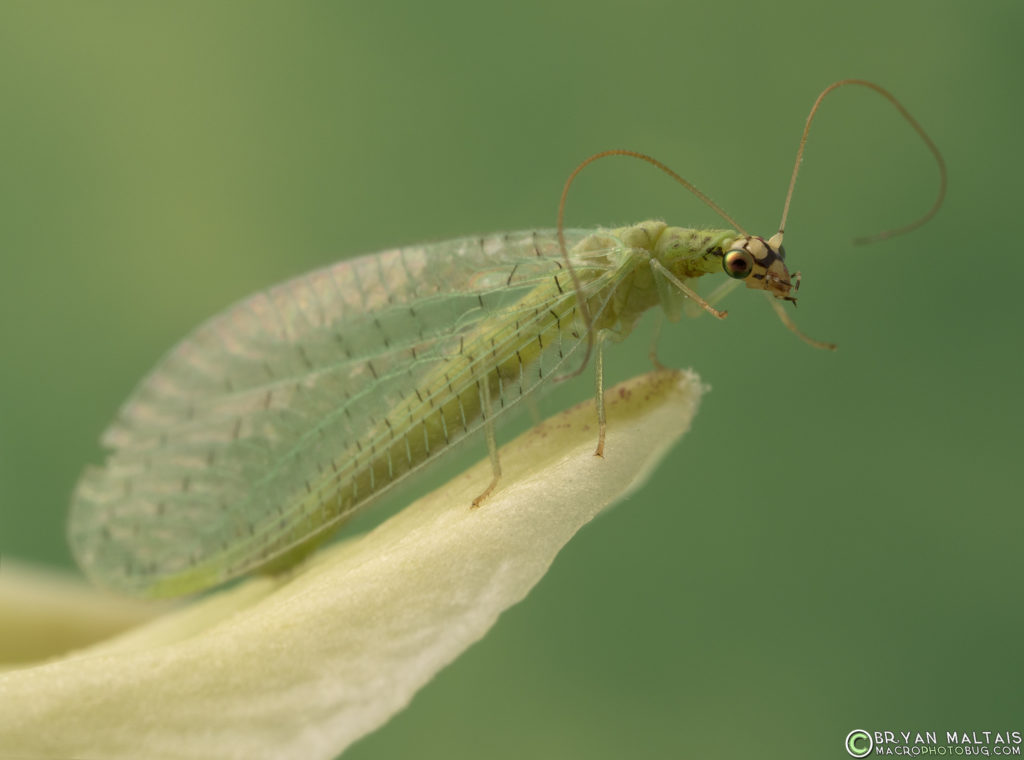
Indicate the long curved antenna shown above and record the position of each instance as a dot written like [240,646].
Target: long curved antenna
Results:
[911,121]
[583,305]
[791,326]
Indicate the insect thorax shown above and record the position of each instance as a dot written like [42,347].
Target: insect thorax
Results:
[686,253]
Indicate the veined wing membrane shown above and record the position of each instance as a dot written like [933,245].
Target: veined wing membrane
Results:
[263,404]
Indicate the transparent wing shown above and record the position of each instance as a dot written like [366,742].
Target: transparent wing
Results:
[214,448]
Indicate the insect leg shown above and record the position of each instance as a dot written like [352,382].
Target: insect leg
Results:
[715,297]
[602,423]
[659,320]
[492,445]
[531,404]
[686,290]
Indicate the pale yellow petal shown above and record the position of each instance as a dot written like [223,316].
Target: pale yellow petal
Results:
[302,666]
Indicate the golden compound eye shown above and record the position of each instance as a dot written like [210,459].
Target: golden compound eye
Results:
[738,264]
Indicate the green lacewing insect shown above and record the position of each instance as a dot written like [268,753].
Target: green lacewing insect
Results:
[276,420]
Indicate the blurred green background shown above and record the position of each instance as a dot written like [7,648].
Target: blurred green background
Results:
[159,161]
